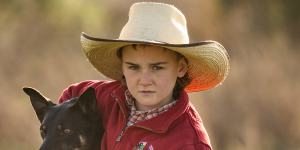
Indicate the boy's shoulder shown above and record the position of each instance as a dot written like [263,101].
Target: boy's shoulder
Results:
[100,86]
[195,121]
[96,84]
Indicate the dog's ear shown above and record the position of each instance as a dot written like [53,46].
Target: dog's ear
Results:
[87,101]
[38,101]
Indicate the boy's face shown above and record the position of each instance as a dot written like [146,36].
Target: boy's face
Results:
[151,74]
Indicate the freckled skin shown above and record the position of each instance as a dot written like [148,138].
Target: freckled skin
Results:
[151,74]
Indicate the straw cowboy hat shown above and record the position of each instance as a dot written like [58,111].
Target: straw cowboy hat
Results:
[165,26]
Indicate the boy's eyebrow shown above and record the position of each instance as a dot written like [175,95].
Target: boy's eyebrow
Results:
[153,64]
[130,63]
[158,63]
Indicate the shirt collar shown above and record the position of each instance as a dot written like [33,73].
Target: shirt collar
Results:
[161,123]
[137,115]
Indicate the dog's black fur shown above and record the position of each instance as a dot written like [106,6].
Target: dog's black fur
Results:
[72,125]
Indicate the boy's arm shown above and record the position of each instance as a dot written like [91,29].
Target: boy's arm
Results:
[198,146]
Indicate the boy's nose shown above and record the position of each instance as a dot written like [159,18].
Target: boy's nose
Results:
[145,79]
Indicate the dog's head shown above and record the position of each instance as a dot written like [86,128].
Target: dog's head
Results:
[72,125]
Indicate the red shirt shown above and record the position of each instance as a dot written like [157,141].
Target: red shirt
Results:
[178,128]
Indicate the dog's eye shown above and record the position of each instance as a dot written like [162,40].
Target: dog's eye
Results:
[67,131]
[64,131]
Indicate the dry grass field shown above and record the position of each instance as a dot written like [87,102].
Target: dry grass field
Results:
[256,108]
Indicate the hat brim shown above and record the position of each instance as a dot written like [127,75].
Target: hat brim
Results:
[208,60]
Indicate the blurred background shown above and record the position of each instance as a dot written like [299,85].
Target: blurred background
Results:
[256,108]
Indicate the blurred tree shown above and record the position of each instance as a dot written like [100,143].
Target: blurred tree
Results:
[255,108]
[269,16]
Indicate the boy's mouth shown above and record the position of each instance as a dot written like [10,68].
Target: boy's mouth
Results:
[146,92]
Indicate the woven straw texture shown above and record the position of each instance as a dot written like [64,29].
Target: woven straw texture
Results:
[208,60]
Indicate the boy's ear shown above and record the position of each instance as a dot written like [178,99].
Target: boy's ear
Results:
[182,67]
[39,103]
[87,101]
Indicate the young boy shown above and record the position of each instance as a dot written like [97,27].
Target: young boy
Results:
[153,67]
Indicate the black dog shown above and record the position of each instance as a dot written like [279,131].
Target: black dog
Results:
[72,125]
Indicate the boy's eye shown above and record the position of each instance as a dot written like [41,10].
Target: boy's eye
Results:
[133,67]
[157,67]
